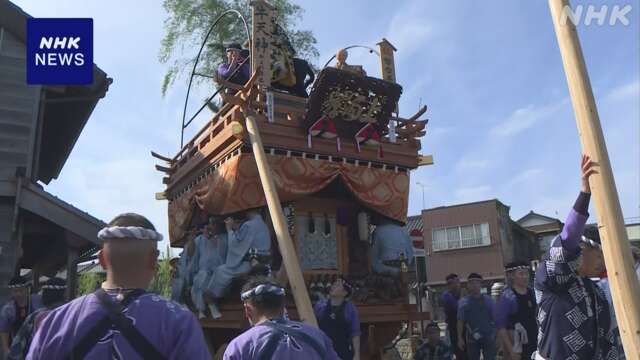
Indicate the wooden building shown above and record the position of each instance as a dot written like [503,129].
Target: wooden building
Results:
[39,126]
[476,237]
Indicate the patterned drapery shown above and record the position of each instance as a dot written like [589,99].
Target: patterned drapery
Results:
[236,186]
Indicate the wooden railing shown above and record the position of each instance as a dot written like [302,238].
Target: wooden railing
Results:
[216,140]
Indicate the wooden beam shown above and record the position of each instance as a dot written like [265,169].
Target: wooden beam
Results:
[72,273]
[424,160]
[165,169]
[625,288]
[163,158]
[289,256]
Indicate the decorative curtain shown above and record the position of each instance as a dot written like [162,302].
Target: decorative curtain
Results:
[235,186]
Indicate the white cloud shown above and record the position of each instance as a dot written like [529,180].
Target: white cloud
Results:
[524,118]
[624,92]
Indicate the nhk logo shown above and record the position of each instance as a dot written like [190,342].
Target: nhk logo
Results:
[59,51]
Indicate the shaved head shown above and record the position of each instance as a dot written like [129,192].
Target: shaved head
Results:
[125,255]
[130,262]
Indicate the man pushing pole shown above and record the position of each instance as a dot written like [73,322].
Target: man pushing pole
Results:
[625,288]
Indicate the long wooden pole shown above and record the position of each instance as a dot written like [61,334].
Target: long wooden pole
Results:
[625,288]
[289,256]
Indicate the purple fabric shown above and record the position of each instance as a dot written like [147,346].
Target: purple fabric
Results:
[249,344]
[224,70]
[450,303]
[572,231]
[350,314]
[8,312]
[582,203]
[507,305]
[488,302]
[170,327]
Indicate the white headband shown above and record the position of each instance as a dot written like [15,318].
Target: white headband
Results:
[54,287]
[517,267]
[590,242]
[129,232]
[262,289]
[16,286]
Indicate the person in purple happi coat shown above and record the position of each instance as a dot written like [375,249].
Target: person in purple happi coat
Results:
[272,335]
[573,313]
[121,320]
[16,310]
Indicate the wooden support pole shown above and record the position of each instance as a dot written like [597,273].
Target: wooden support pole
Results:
[625,288]
[72,273]
[289,256]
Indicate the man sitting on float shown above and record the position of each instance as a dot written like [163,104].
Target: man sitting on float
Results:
[210,252]
[247,243]
[184,270]
[392,247]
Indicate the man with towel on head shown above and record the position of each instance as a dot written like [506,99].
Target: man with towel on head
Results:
[53,295]
[252,237]
[516,313]
[121,320]
[14,313]
[573,312]
[271,335]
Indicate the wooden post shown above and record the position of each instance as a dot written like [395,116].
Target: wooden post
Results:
[289,256]
[264,20]
[625,288]
[388,65]
[387,61]
[72,273]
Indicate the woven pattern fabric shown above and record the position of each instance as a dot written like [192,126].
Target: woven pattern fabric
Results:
[236,186]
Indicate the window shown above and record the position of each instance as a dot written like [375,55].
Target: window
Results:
[460,237]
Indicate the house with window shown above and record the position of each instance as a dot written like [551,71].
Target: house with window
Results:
[546,228]
[474,237]
[633,231]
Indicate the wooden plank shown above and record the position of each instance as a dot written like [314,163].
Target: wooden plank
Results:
[215,150]
[163,158]
[289,257]
[280,136]
[72,273]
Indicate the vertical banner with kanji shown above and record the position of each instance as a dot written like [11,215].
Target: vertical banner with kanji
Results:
[264,22]
[386,60]
[389,74]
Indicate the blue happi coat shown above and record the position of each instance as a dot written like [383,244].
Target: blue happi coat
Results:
[209,254]
[252,234]
[185,271]
[389,242]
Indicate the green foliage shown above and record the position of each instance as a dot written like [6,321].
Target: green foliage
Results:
[190,20]
[161,283]
[88,282]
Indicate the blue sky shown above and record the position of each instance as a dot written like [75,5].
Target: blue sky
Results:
[501,123]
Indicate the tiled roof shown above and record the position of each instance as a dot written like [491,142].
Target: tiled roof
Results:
[414,223]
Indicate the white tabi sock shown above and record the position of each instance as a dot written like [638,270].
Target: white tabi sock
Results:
[215,313]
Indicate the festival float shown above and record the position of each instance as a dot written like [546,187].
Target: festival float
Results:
[319,167]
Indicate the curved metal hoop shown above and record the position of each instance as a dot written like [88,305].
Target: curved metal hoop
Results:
[195,65]
[371,50]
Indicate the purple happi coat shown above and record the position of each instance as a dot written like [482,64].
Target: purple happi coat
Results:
[250,345]
[171,328]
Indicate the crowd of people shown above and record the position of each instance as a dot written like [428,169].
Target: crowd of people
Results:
[566,312]
[563,313]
